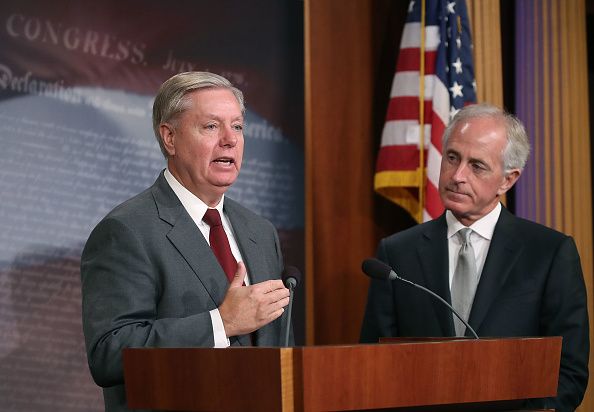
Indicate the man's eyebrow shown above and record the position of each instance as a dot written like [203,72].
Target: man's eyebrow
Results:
[479,161]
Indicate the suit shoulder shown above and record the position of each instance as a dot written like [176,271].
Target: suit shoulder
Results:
[138,214]
[535,238]
[134,206]
[245,214]
[537,232]
[412,234]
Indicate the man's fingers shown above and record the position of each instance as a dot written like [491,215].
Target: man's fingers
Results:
[264,296]
[273,310]
[270,286]
[276,314]
[277,295]
[252,307]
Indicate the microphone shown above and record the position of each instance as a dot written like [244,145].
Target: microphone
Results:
[377,269]
[291,277]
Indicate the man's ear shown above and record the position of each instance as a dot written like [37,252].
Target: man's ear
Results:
[167,132]
[509,179]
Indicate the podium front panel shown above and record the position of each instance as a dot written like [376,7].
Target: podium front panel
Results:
[343,378]
[429,373]
[201,379]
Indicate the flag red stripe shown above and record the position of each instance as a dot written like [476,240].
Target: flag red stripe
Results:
[407,108]
[437,129]
[409,60]
[398,157]
[432,202]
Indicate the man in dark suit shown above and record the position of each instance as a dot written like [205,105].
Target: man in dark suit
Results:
[152,273]
[508,276]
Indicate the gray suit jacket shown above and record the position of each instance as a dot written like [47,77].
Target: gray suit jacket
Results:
[531,285]
[149,279]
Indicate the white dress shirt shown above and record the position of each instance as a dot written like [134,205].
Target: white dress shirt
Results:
[196,208]
[480,238]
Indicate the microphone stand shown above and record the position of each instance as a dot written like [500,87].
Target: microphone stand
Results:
[442,300]
[291,286]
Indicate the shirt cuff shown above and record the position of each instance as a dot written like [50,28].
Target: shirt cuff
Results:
[218,330]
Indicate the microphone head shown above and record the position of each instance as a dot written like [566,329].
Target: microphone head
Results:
[291,276]
[376,269]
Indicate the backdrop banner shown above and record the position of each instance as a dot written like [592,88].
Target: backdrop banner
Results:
[77,80]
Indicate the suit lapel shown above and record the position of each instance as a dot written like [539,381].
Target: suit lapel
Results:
[188,240]
[247,242]
[433,256]
[504,251]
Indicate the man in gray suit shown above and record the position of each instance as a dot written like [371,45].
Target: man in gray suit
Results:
[149,275]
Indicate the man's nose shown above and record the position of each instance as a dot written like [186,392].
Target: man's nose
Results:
[461,172]
[228,136]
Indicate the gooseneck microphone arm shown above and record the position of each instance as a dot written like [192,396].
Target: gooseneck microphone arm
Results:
[442,301]
[289,314]
[377,269]
[291,277]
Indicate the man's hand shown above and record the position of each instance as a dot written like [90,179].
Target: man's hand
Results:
[248,308]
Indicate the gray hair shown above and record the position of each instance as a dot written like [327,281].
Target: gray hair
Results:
[517,150]
[171,99]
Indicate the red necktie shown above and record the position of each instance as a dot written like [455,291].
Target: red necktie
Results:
[219,243]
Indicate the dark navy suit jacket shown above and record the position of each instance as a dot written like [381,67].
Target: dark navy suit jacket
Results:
[531,285]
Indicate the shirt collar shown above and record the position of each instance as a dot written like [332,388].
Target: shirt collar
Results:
[485,226]
[195,207]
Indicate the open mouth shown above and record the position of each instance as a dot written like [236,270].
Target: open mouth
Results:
[224,161]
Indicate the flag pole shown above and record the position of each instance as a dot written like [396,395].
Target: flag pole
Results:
[422,116]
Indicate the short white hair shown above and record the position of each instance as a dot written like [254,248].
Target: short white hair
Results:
[517,150]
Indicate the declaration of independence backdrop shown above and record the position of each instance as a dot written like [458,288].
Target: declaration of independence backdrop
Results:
[77,81]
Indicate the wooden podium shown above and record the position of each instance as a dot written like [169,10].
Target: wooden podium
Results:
[440,375]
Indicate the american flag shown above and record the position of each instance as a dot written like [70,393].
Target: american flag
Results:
[448,85]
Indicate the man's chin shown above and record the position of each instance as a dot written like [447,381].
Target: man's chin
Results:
[222,185]
[223,179]
[456,207]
